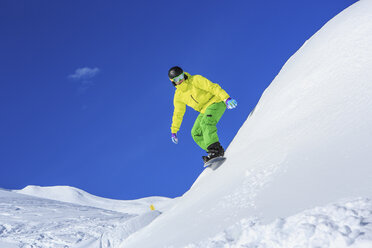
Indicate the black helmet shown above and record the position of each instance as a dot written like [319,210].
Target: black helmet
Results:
[174,72]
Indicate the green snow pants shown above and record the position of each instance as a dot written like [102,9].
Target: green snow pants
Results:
[204,131]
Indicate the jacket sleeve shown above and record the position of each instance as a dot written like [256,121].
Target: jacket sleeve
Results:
[179,111]
[205,84]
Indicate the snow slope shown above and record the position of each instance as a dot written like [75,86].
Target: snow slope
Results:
[28,221]
[306,144]
[337,225]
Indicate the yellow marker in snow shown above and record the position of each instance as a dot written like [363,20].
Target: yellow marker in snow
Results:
[152,207]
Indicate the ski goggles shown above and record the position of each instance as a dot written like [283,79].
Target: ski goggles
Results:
[179,77]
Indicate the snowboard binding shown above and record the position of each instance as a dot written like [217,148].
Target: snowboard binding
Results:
[215,150]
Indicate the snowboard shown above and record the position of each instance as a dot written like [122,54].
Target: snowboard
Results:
[214,163]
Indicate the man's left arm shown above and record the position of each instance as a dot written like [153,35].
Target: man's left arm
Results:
[205,84]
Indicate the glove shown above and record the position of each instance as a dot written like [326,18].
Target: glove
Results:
[231,103]
[174,138]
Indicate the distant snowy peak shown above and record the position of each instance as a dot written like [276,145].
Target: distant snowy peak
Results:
[77,196]
[58,193]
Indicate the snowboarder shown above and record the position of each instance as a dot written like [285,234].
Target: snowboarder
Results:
[205,97]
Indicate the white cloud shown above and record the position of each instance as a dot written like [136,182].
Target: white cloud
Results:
[84,73]
[84,77]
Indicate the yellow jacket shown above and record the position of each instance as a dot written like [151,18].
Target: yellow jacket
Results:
[196,92]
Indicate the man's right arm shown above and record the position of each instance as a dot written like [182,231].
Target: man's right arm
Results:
[179,112]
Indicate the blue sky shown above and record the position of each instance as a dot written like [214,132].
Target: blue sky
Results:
[84,96]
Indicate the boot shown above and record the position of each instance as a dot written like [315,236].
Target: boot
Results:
[215,150]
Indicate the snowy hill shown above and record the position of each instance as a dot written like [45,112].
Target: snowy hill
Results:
[298,172]
[80,197]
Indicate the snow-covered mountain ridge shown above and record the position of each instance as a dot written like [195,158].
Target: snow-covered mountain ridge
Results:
[298,173]
[80,197]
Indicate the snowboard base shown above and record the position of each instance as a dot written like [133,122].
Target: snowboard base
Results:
[214,163]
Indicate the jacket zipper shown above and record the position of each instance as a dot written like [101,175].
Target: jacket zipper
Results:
[194,99]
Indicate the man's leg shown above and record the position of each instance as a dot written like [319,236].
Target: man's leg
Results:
[209,121]
[197,133]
